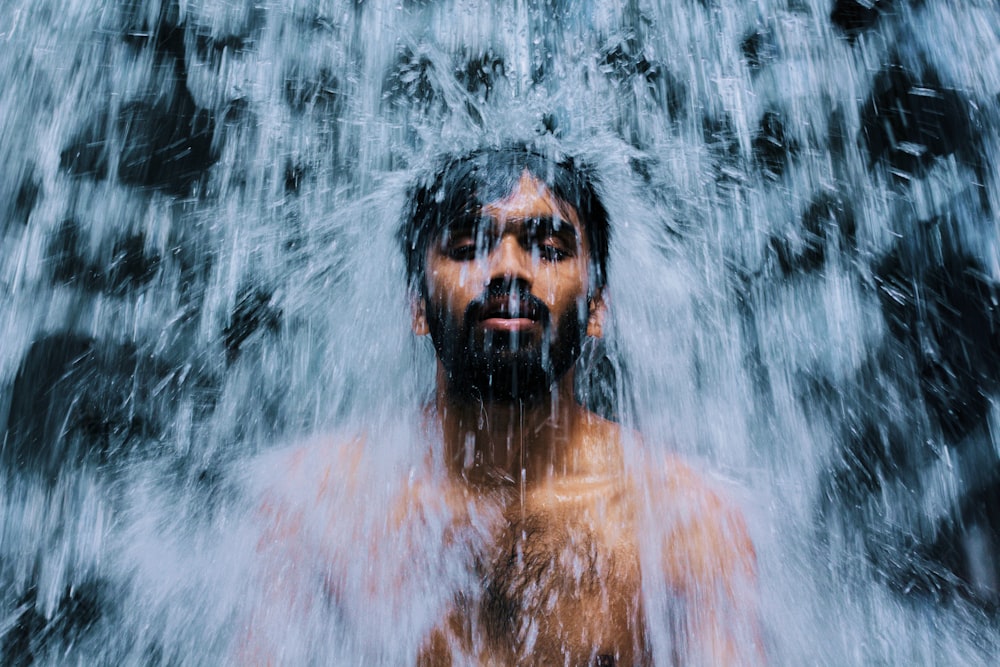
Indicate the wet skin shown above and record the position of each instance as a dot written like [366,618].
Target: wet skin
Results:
[561,578]
[560,573]
[506,299]
[529,238]
[563,583]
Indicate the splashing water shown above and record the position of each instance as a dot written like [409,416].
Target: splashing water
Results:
[199,267]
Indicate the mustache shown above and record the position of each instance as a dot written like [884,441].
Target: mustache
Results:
[507,301]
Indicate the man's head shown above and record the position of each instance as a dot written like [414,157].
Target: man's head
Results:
[506,254]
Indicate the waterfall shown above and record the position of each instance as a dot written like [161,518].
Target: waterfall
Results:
[199,268]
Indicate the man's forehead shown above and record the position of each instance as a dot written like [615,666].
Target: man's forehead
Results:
[530,199]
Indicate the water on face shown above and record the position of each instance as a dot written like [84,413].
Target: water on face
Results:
[198,268]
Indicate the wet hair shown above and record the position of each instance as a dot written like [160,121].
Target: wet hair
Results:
[463,185]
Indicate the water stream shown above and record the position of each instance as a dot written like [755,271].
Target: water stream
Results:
[198,268]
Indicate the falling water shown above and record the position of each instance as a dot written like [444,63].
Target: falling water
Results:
[198,270]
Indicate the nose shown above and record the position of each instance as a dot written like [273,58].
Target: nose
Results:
[510,262]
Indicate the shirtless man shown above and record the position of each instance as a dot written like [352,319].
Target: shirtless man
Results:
[506,254]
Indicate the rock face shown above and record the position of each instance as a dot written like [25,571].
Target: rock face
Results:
[910,120]
[191,187]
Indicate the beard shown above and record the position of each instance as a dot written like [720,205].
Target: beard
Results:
[504,366]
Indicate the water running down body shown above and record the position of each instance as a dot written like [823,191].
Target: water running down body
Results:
[198,206]
[507,256]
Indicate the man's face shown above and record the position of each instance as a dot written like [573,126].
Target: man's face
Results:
[507,301]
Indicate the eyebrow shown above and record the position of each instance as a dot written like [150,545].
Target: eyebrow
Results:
[547,226]
[536,226]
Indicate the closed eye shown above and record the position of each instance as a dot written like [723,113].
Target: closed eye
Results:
[459,243]
[552,252]
[556,240]
[461,251]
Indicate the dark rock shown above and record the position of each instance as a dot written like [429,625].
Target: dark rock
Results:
[829,221]
[962,319]
[759,49]
[620,60]
[910,120]
[237,111]
[238,35]
[720,135]
[79,402]
[167,147]
[162,32]
[33,637]
[130,266]
[642,167]
[410,82]
[879,448]
[839,137]
[724,147]
[948,316]
[831,216]
[166,140]
[772,147]
[253,312]
[211,49]
[44,395]
[856,16]
[539,69]
[924,399]
[320,94]
[63,254]
[29,191]
[669,91]
[86,155]
[21,642]
[624,62]
[323,23]
[912,570]
[969,544]
[479,73]
[956,560]
[549,124]
[294,173]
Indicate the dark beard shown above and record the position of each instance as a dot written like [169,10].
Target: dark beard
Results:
[501,366]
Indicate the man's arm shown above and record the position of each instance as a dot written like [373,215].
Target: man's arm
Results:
[710,563]
[296,494]
[320,558]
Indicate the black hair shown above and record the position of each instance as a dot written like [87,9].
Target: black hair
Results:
[461,186]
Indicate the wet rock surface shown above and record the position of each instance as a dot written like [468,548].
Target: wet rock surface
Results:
[239,138]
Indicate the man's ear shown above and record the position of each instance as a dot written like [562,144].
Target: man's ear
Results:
[418,308]
[597,311]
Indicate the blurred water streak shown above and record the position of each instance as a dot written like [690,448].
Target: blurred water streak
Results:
[197,266]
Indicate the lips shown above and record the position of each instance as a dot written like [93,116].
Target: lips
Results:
[510,309]
[511,312]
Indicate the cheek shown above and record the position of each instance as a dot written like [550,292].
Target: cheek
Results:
[458,275]
[452,288]
[562,283]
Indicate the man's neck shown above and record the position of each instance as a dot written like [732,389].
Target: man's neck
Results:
[513,443]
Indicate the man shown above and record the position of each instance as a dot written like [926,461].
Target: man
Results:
[506,254]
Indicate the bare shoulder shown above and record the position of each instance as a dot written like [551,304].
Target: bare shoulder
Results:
[708,561]
[705,537]
[305,478]
[333,485]
[315,460]
[705,534]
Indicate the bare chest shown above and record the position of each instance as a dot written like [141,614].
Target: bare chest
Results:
[560,585]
